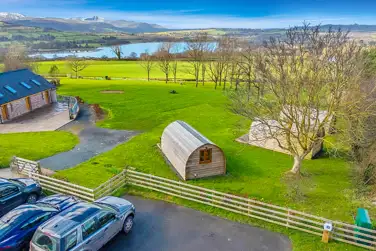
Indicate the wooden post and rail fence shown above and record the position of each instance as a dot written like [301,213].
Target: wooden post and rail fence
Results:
[286,217]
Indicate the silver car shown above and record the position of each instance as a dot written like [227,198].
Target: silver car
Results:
[85,226]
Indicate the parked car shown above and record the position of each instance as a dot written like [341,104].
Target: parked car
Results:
[15,192]
[85,226]
[18,226]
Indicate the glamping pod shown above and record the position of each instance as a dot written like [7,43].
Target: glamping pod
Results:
[190,153]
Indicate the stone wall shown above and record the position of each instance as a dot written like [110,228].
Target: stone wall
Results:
[17,108]
[37,100]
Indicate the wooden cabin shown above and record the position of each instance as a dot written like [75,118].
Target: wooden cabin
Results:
[191,154]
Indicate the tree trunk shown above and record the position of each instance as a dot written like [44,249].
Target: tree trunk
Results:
[148,75]
[297,165]
[197,74]
[166,78]
[203,74]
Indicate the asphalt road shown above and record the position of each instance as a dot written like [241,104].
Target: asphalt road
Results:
[93,141]
[161,226]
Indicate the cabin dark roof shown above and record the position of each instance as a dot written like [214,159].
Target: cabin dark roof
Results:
[21,83]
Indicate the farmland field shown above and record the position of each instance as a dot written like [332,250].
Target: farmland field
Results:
[325,189]
[117,69]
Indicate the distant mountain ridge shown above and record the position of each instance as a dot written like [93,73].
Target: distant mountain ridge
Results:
[91,24]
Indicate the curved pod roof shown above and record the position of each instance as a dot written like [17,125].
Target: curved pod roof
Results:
[179,140]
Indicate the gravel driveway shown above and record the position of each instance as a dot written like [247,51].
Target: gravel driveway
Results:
[93,141]
[162,226]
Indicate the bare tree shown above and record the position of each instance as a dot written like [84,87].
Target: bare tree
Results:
[147,62]
[117,51]
[221,59]
[77,64]
[307,78]
[359,132]
[165,57]
[176,48]
[16,58]
[197,49]
[246,65]
[203,72]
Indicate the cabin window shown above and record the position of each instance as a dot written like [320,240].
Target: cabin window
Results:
[205,156]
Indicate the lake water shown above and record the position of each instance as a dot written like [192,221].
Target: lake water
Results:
[107,52]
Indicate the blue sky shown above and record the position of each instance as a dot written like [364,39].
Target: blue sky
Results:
[205,14]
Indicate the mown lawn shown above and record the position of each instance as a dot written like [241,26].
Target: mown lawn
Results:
[325,189]
[34,146]
[115,69]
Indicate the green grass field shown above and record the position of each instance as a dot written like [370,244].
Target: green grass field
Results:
[113,68]
[326,187]
[34,146]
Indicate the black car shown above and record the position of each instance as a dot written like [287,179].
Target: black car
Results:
[14,192]
[18,226]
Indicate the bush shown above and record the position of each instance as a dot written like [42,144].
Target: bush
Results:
[173,92]
[55,82]
[107,78]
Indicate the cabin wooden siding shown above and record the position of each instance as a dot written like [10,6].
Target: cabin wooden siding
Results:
[181,145]
[217,166]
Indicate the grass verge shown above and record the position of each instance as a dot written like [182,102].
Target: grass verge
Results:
[34,145]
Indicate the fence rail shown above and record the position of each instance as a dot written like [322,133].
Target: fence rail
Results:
[24,165]
[60,186]
[282,216]
[111,186]
[343,232]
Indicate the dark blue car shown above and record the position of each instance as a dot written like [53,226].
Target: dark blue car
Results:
[15,192]
[18,226]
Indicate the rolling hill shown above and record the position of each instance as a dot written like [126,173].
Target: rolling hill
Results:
[91,24]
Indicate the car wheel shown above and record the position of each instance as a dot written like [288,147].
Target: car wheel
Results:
[32,198]
[128,224]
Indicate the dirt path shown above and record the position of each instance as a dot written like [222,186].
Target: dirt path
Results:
[93,141]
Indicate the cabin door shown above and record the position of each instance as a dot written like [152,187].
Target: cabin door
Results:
[28,103]
[4,112]
[47,97]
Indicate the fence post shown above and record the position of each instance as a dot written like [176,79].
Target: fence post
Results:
[288,218]
[180,189]
[39,169]
[249,207]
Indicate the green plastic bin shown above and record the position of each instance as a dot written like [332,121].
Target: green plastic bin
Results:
[363,220]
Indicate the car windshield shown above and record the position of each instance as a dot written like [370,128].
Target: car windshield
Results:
[17,182]
[106,206]
[45,204]
[45,241]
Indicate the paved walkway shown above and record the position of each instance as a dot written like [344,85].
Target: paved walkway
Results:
[8,174]
[162,226]
[48,118]
[93,141]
